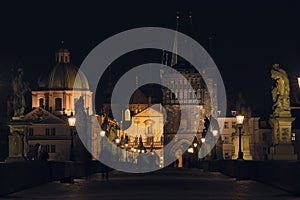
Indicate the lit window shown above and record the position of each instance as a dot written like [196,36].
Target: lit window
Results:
[293,136]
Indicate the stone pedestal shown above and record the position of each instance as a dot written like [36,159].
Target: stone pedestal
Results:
[282,148]
[245,147]
[17,141]
[282,152]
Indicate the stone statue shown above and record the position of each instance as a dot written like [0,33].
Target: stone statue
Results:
[280,91]
[19,89]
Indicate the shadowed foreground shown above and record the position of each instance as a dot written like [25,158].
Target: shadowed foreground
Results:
[163,184]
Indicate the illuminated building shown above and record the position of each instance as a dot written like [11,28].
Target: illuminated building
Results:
[53,102]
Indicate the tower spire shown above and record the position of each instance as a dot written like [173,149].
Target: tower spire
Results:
[175,45]
[210,37]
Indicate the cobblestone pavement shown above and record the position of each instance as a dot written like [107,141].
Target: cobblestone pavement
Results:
[163,184]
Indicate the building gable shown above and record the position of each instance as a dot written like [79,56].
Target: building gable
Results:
[42,116]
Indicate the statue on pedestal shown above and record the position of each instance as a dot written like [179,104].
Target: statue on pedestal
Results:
[19,89]
[280,91]
[281,119]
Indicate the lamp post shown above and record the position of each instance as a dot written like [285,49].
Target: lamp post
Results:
[239,122]
[72,121]
[102,135]
[126,151]
[118,142]
[215,135]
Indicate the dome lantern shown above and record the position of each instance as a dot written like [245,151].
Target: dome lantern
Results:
[62,56]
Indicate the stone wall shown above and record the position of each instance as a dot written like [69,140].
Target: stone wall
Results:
[18,176]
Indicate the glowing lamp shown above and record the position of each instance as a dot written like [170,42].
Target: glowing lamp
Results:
[102,133]
[240,119]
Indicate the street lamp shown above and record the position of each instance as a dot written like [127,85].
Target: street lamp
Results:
[102,135]
[118,142]
[126,149]
[239,122]
[215,135]
[191,150]
[203,139]
[72,122]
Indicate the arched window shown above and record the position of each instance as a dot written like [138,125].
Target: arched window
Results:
[41,103]
[58,104]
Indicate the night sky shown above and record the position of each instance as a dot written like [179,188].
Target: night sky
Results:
[248,37]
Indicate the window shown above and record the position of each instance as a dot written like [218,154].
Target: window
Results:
[53,131]
[47,131]
[233,112]
[52,148]
[264,137]
[41,102]
[226,141]
[293,136]
[58,104]
[226,125]
[233,125]
[46,147]
[30,132]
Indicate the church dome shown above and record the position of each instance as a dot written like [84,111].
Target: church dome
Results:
[63,75]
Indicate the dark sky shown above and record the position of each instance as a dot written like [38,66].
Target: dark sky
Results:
[248,36]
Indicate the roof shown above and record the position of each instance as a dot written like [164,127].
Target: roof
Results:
[42,116]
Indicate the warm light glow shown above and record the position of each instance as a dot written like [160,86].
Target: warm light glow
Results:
[102,133]
[143,151]
[127,115]
[132,149]
[117,140]
[126,145]
[72,121]
[239,119]
[298,81]
[203,139]
[215,133]
[195,144]
[191,150]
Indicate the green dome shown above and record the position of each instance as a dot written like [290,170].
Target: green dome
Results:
[62,76]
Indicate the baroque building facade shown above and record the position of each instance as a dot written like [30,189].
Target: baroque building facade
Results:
[52,104]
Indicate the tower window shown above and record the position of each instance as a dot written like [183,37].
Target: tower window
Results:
[58,104]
